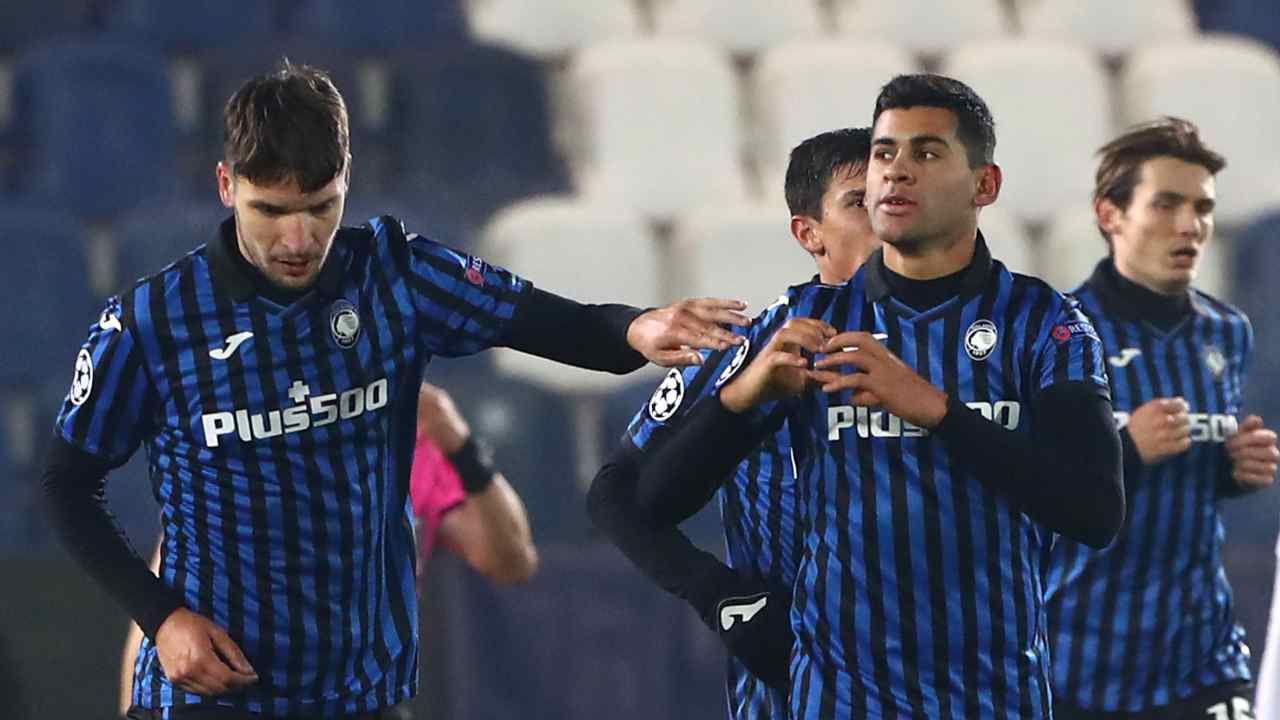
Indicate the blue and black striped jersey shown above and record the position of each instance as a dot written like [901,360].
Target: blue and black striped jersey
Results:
[1148,621]
[920,593]
[759,508]
[280,441]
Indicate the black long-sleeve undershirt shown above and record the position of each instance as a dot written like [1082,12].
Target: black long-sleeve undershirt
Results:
[75,490]
[593,337]
[1065,474]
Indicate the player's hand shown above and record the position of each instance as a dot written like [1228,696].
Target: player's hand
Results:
[198,656]
[880,379]
[671,336]
[1160,429]
[1253,454]
[781,369]
[439,419]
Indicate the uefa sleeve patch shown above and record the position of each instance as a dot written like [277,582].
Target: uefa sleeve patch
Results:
[739,358]
[667,398]
[1063,332]
[82,381]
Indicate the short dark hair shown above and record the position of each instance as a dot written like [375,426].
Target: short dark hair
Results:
[974,124]
[289,123]
[815,162]
[1120,168]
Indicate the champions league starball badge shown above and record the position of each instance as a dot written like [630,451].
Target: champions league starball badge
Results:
[344,323]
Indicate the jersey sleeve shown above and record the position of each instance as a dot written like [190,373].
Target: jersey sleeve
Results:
[463,304]
[682,388]
[1070,350]
[107,409]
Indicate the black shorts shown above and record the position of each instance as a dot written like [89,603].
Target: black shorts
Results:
[1228,701]
[219,712]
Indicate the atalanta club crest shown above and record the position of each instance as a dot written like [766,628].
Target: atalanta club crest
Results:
[1215,361]
[980,339]
[344,324]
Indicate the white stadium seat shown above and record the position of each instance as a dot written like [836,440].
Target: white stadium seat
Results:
[741,26]
[803,89]
[661,126]
[923,26]
[552,28]
[740,251]
[1230,88]
[592,253]
[1071,248]
[1052,109]
[1108,26]
[1007,239]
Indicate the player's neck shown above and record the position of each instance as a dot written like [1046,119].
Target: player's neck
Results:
[938,260]
[1160,309]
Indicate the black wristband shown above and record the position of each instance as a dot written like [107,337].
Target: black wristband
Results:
[474,465]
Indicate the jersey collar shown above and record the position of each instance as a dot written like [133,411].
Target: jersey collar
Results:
[974,277]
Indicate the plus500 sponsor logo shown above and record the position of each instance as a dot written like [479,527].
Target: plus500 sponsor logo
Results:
[879,424]
[313,412]
[1205,427]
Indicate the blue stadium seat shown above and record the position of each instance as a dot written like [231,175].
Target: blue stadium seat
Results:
[473,128]
[588,637]
[45,275]
[27,21]
[1257,255]
[195,26]
[529,431]
[377,27]
[147,241]
[95,126]
[1242,17]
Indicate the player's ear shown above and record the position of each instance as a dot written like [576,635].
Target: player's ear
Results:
[990,178]
[1108,215]
[804,230]
[225,184]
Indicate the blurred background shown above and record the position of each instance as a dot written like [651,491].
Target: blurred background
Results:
[644,140]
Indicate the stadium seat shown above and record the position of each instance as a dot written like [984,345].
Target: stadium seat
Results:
[1071,247]
[592,253]
[148,241]
[740,26]
[551,29]
[923,26]
[471,127]
[740,251]
[45,276]
[1254,261]
[530,431]
[661,125]
[1031,87]
[1229,87]
[805,88]
[1240,17]
[375,28]
[191,27]
[95,121]
[1007,239]
[1106,26]
[27,21]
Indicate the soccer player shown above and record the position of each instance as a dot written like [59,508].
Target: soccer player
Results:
[273,375]
[480,517]
[748,604]
[973,422]
[1144,628]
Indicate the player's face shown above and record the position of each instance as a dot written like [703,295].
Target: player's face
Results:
[1159,239]
[920,188]
[845,227]
[282,231]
